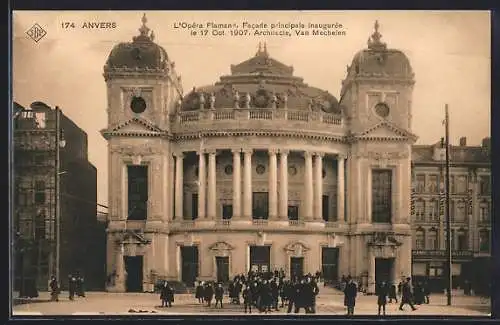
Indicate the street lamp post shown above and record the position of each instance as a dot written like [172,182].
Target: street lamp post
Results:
[59,143]
[448,217]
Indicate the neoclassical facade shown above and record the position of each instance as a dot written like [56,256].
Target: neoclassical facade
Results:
[257,171]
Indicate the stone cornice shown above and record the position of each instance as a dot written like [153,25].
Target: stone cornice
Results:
[271,133]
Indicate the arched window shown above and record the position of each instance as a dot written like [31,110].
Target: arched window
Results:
[420,239]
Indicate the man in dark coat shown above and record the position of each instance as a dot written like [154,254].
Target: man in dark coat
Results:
[199,293]
[71,286]
[275,291]
[209,294]
[350,293]
[80,285]
[54,289]
[406,295]
[219,295]
[427,292]
[247,298]
[381,291]
[167,295]
[393,293]
[293,296]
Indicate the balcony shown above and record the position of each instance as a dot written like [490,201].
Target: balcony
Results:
[440,254]
[267,119]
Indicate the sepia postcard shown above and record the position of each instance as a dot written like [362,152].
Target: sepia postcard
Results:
[251,163]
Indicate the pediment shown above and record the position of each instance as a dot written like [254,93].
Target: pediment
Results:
[133,237]
[221,246]
[386,130]
[135,125]
[384,239]
[297,247]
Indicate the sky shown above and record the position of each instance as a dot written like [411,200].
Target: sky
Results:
[449,52]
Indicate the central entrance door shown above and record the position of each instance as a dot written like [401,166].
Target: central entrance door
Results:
[296,267]
[260,258]
[383,270]
[222,264]
[330,264]
[133,267]
[189,257]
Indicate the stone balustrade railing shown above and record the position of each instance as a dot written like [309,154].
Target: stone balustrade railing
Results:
[256,118]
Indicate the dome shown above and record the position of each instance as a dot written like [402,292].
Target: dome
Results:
[141,53]
[263,82]
[379,61]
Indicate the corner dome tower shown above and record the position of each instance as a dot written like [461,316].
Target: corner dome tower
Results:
[140,54]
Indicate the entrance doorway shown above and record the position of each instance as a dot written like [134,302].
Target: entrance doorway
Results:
[189,264]
[133,266]
[222,263]
[296,267]
[383,270]
[260,258]
[330,264]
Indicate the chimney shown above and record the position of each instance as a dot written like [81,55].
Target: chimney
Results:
[463,141]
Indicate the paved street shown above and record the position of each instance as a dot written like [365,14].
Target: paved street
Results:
[328,303]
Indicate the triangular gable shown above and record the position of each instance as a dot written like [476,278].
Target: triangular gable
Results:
[134,126]
[387,130]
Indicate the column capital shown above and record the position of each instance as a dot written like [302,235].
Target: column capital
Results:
[307,154]
[201,152]
[247,150]
[341,156]
[273,151]
[319,154]
[178,154]
[236,151]
[211,151]
[284,151]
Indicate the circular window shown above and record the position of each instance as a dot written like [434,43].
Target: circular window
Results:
[260,169]
[196,171]
[138,105]
[382,109]
[292,170]
[228,170]
[324,173]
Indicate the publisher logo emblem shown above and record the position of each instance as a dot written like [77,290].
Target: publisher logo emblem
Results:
[36,32]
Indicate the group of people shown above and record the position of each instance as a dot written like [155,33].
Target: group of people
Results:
[75,287]
[265,292]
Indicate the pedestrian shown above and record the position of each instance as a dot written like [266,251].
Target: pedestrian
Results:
[80,286]
[350,293]
[381,292]
[393,293]
[427,292]
[219,294]
[406,295]
[209,294]
[199,292]
[247,299]
[167,295]
[71,287]
[54,289]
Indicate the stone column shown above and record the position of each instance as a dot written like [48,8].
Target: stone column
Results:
[212,189]
[247,183]
[371,271]
[273,184]
[318,189]
[120,269]
[340,188]
[179,185]
[237,183]
[283,213]
[202,183]
[308,186]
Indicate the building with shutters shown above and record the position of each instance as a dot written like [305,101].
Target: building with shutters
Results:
[51,172]
[259,171]
[470,212]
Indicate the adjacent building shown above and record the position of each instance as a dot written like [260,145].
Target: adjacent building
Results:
[55,200]
[259,171]
[470,212]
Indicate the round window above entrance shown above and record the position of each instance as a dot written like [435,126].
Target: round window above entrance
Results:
[228,170]
[138,105]
[382,109]
[261,169]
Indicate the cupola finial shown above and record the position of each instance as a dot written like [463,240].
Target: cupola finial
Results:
[374,41]
[144,30]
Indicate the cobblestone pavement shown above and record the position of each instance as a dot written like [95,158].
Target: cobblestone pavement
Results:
[147,304]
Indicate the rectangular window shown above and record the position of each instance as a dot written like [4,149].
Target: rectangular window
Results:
[453,184]
[462,241]
[433,184]
[293,212]
[460,213]
[381,195]
[40,120]
[434,210]
[484,213]
[484,185]
[420,240]
[227,211]
[260,205]
[420,184]
[326,209]
[461,184]
[137,192]
[433,240]
[40,192]
[484,241]
[419,211]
